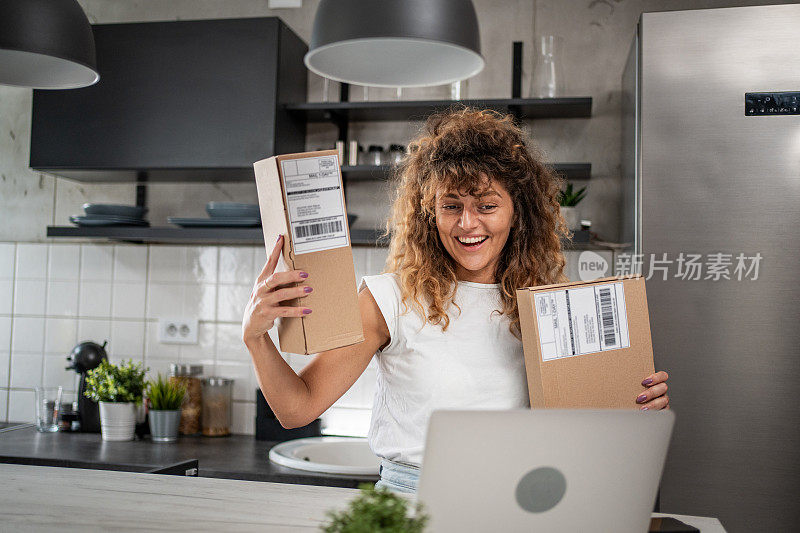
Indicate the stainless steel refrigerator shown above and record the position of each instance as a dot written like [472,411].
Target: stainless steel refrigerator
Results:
[711,164]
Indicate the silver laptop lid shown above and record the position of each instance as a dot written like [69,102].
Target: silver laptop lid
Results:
[543,470]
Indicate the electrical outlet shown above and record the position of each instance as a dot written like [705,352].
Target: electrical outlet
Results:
[177,330]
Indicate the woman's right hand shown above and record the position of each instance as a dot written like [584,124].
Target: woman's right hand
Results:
[268,292]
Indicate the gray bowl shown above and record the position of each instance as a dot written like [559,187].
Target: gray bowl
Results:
[232,209]
[119,210]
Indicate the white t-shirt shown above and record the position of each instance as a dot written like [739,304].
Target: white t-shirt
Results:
[476,364]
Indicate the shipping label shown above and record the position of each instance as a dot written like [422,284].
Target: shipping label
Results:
[315,202]
[582,320]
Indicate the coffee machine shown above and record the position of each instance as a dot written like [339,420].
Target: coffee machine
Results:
[84,357]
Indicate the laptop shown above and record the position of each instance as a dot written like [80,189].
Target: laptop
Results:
[543,470]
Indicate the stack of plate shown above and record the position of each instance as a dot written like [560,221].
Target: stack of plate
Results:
[223,215]
[110,215]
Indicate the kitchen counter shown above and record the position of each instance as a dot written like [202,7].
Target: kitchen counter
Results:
[234,457]
[67,499]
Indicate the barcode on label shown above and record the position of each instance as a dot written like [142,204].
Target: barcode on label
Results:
[318,229]
[607,317]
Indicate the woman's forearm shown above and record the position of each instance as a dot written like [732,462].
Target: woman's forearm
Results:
[286,393]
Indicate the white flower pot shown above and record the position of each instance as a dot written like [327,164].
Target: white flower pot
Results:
[572,217]
[117,420]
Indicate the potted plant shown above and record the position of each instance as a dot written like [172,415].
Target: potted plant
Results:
[164,401]
[569,200]
[377,510]
[118,389]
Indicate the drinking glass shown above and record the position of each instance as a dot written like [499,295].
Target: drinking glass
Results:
[48,403]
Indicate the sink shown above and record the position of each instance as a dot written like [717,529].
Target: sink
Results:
[331,455]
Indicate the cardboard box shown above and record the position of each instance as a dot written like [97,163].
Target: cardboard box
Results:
[596,359]
[301,197]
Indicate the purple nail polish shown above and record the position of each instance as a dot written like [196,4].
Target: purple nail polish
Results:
[645,409]
[641,398]
[306,311]
[648,381]
[307,289]
[279,238]
[303,274]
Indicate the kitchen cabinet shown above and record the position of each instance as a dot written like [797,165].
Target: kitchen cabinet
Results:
[177,101]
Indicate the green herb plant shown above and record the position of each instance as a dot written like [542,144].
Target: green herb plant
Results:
[376,511]
[569,199]
[165,395]
[116,383]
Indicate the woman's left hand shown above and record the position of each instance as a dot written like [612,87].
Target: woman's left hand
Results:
[654,396]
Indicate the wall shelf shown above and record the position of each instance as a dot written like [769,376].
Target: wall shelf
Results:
[527,108]
[338,113]
[173,235]
[571,171]
[231,236]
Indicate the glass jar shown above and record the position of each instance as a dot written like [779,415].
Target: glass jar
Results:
[395,154]
[217,406]
[374,155]
[190,377]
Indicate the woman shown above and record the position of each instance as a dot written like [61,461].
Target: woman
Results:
[475,217]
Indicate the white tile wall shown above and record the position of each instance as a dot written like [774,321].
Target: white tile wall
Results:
[236,265]
[62,298]
[94,299]
[127,339]
[64,262]
[61,335]
[7,254]
[128,299]
[29,296]
[26,370]
[96,262]
[31,261]
[6,296]
[130,263]
[5,334]
[200,300]
[3,405]
[21,407]
[56,373]
[165,263]
[232,301]
[53,296]
[97,330]
[5,363]
[27,334]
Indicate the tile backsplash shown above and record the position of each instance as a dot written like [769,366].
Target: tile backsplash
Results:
[53,296]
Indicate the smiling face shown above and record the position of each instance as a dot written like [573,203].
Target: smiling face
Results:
[474,229]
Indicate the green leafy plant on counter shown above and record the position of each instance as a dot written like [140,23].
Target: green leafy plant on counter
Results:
[165,395]
[116,383]
[376,510]
[567,198]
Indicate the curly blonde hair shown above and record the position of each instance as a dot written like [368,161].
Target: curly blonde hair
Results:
[456,151]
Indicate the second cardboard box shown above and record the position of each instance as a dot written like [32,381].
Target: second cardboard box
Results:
[587,344]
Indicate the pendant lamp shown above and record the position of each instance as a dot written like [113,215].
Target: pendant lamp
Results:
[46,44]
[395,43]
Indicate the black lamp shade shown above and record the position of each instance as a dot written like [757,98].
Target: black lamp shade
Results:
[395,43]
[46,44]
